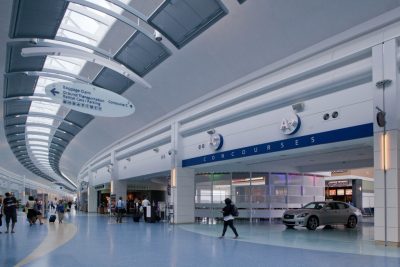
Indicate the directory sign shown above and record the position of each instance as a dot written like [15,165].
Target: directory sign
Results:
[90,99]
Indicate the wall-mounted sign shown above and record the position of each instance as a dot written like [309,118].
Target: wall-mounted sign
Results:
[339,183]
[138,187]
[290,124]
[102,186]
[90,99]
[216,141]
[338,135]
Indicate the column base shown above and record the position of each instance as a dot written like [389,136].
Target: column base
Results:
[389,243]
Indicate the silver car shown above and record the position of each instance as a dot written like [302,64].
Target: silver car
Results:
[319,213]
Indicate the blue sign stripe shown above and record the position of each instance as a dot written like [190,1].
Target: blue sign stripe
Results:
[349,133]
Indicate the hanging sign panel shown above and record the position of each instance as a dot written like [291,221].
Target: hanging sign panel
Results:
[90,99]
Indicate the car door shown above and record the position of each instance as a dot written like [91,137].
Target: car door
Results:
[343,213]
[330,214]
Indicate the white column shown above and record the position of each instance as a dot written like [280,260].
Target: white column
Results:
[23,196]
[182,181]
[92,194]
[183,194]
[387,144]
[118,187]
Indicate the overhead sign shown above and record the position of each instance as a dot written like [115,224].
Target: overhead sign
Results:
[90,99]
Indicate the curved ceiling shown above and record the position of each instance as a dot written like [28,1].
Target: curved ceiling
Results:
[206,45]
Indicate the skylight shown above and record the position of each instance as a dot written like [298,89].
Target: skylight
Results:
[38,129]
[42,83]
[37,153]
[36,136]
[81,27]
[68,64]
[44,107]
[38,148]
[40,143]
[41,120]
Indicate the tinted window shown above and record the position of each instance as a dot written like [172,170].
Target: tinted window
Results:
[314,205]
[332,205]
[342,206]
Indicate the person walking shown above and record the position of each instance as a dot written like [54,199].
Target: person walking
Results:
[120,209]
[10,211]
[31,214]
[60,211]
[145,204]
[38,210]
[1,212]
[228,212]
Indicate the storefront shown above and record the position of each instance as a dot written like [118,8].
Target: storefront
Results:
[358,191]
[339,190]
[155,194]
[103,197]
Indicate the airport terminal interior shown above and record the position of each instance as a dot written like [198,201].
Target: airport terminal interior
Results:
[199,133]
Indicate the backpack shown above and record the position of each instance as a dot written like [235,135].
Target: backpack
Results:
[234,211]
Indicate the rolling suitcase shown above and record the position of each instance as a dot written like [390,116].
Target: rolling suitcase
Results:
[136,218]
[52,218]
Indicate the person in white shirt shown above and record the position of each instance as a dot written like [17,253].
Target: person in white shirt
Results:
[120,209]
[145,204]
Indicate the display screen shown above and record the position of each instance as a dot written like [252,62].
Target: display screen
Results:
[349,192]
[332,192]
[340,192]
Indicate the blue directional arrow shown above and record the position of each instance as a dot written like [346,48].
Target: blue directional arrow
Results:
[54,92]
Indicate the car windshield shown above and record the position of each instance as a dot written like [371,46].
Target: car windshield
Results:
[314,205]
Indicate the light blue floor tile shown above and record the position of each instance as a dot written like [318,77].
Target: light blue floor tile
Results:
[100,241]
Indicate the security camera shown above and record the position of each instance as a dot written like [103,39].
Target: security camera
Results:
[170,152]
[211,131]
[158,36]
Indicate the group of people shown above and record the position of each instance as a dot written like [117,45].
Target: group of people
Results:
[33,208]
[9,206]
[139,208]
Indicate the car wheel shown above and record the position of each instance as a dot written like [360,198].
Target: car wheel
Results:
[290,226]
[312,223]
[352,222]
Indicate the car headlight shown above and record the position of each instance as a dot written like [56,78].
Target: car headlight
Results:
[302,215]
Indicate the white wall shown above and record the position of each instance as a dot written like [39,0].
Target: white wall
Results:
[354,106]
[368,200]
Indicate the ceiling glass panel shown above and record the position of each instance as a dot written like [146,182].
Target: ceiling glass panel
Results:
[38,152]
[41,143]
[75,36]
[38,148]
[38,129]
[68,64]
[41,84]
[36,136]
[82,22]
[44,107]
[41,120]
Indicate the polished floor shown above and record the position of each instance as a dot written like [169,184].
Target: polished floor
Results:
[92,240]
